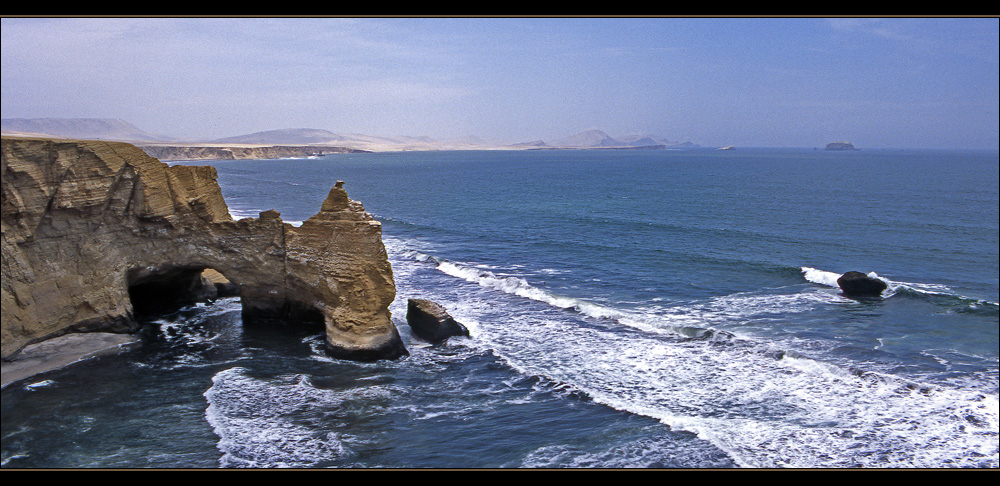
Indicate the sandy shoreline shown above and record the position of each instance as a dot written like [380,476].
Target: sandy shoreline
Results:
[62,351]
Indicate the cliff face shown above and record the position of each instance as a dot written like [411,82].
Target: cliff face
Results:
[89,228]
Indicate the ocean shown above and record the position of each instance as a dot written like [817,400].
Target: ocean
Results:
[627,309]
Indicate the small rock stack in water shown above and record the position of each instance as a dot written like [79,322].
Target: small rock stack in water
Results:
[431,322]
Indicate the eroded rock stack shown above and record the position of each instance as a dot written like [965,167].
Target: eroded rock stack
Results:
[85,221]
[431,322]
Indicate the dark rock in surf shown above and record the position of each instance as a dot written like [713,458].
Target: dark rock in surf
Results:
[860,284]
[431,322]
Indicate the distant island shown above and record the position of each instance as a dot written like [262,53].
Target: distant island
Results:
[303,142]
[840,146]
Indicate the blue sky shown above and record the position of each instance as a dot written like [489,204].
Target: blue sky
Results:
[770,82]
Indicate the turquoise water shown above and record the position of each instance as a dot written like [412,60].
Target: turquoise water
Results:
[626,308]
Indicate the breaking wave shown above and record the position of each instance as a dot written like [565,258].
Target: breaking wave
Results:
[933,292]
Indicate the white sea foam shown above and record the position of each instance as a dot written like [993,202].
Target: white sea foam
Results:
[39,384]
[244,213]
[764,409]
[829,279]
[662,318]
[653,452]
[254,420]
[821,276]
[789,412]
[824,277]
[238,214]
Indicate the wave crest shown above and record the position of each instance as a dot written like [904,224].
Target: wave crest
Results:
[935,292]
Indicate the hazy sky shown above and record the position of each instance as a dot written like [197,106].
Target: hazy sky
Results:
[799,82]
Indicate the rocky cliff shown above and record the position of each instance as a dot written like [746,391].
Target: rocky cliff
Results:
[93,231]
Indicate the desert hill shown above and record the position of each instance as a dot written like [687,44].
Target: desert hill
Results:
[80,128]
[119,130]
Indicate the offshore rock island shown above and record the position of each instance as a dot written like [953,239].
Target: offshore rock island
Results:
[91,228]
[840,146]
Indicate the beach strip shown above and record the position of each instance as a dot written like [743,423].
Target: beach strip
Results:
[58,352]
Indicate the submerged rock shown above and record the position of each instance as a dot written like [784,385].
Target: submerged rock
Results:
[432,322]
[859,284]
[94,229]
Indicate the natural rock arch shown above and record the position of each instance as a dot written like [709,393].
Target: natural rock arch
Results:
[83,221]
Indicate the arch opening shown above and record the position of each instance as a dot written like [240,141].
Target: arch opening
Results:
[156,291]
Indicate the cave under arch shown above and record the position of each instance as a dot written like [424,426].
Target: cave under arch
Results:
[158,291]
[161,290]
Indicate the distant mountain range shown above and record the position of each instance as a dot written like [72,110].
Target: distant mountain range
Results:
[599,139]
[85,128]
[114,129]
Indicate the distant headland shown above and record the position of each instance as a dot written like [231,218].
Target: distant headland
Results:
[303,142]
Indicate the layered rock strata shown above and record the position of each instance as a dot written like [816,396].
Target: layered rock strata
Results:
[91,227]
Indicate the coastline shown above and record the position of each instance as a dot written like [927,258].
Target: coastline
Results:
[291,146]
[59,352]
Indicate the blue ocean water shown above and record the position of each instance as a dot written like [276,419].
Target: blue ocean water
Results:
[647,308]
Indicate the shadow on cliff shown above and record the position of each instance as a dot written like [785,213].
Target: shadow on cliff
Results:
[161,292]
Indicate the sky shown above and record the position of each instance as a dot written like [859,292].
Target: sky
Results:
[764,82]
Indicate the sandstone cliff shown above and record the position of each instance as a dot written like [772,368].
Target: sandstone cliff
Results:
[92,229]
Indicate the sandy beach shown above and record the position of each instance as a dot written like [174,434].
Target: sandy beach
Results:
[61,351]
